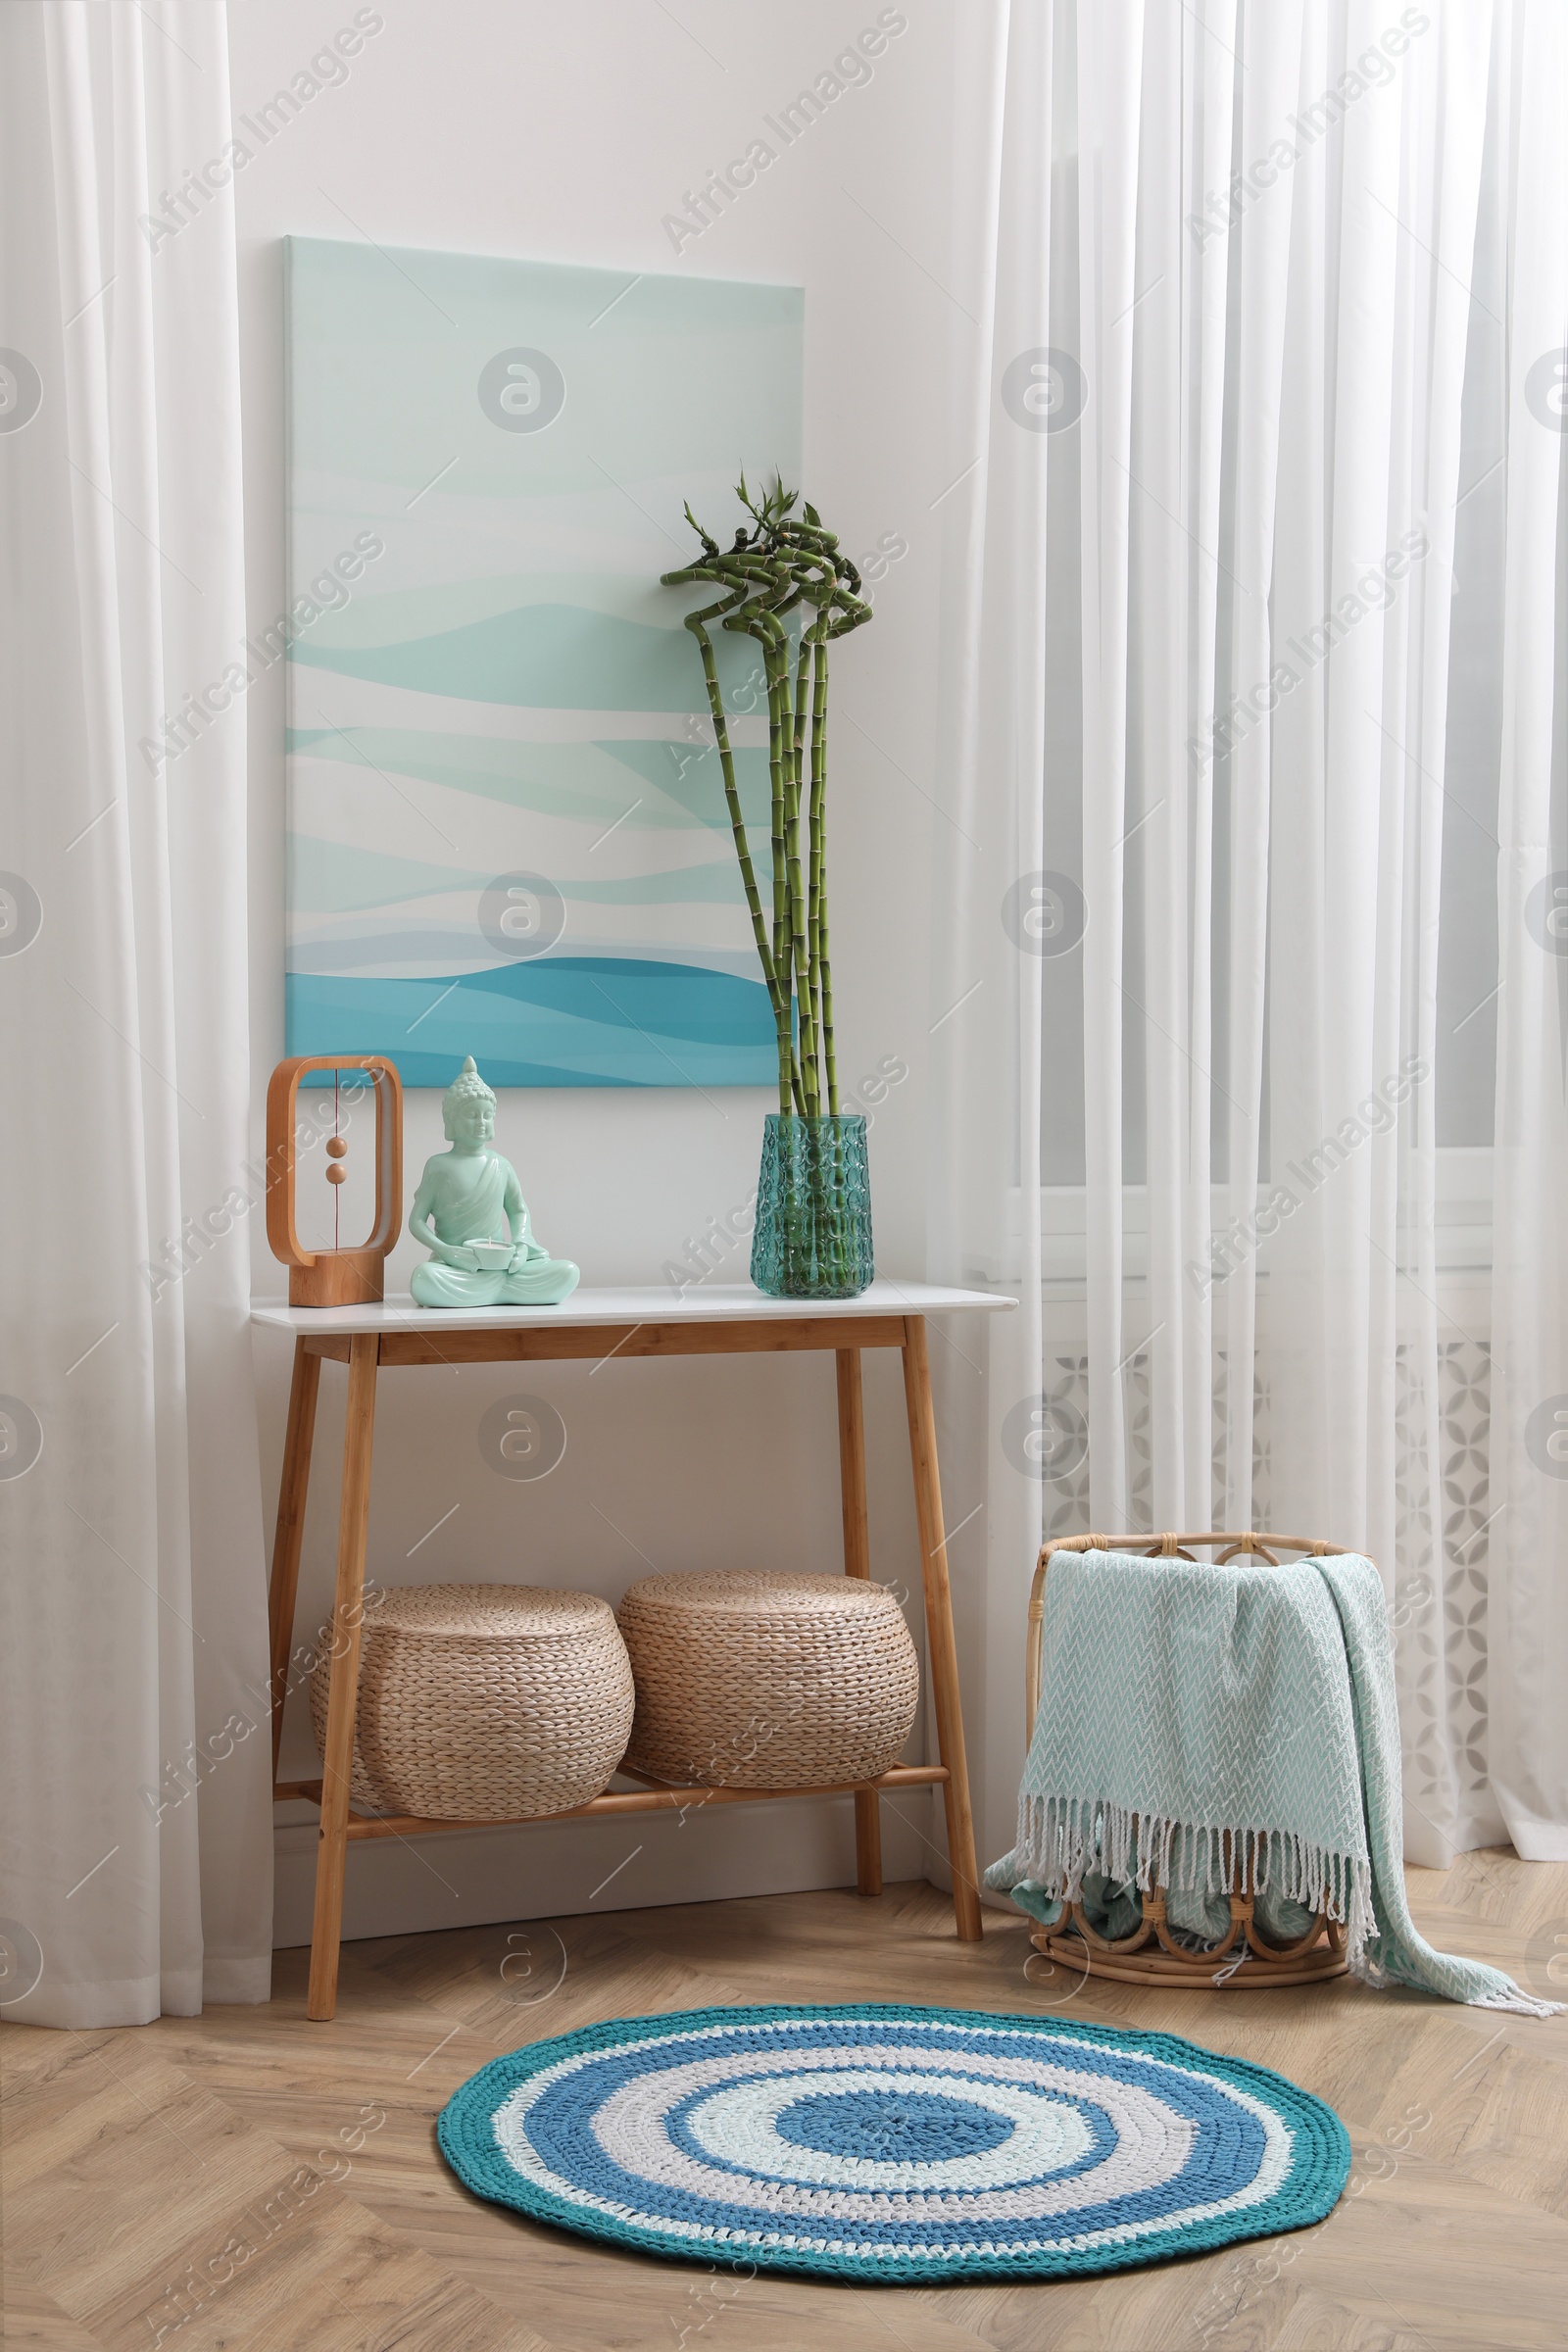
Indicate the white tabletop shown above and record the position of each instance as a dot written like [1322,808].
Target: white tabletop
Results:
[703,1303]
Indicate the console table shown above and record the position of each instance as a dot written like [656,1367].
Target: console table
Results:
[721,1320]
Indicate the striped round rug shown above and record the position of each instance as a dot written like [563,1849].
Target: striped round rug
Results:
[889,2143]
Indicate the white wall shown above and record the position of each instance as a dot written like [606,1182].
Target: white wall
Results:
[567,132]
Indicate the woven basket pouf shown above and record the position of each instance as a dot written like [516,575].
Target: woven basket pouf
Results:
[767,1681]
[484,1703]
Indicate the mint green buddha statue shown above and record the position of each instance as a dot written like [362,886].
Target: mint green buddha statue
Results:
[471,1214]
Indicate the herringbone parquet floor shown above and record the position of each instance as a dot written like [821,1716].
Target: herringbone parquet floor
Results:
[248,2181]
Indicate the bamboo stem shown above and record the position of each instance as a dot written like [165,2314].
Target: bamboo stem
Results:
[779,997]
[715,702]
[789,941]
[800,947]
[777,759]
[807,979]
[758,622]
[822,979]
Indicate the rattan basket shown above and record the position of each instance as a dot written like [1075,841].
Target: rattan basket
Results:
[484,1703]
[766,1680]
[1243,1958]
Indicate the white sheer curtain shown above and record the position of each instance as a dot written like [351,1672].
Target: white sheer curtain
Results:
[137,1839]
[1259,264]
[1529,1630]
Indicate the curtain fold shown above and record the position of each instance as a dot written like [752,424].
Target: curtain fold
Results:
[1365,557]
[1204,600]
[1528,1646]
[1108,59]
[997,913]
[137,1840]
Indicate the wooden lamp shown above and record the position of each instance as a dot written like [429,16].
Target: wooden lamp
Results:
[335,1277]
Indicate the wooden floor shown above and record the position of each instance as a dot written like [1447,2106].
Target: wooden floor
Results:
[293,2168]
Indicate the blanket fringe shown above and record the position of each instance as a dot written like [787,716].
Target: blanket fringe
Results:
[1061,1840]
[1478,1985]
[1522,2003]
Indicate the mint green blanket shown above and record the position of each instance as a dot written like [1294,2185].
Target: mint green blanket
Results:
[1202,1728]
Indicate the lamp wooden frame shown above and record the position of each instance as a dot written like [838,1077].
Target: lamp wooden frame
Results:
[355,1276]
[1243,1960]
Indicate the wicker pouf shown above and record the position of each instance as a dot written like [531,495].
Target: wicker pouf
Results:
[767,1681]
[484,1703]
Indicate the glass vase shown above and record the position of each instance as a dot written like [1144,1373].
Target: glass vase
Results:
[812,1237]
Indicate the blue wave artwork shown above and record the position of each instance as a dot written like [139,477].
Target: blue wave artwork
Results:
[508,832]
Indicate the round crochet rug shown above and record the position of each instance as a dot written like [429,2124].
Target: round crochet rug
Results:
[876,2143]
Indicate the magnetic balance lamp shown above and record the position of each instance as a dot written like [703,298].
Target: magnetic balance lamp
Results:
[335,1277]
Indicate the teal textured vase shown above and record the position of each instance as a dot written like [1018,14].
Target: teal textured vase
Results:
[812,1237]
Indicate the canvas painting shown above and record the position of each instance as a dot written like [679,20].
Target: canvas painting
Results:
[508,834]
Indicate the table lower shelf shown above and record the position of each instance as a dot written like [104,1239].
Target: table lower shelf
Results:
[656,1796]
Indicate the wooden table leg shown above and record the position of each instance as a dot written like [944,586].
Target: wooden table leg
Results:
[940,1646]
[348,1611]
[858,1562]
[291,1529]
